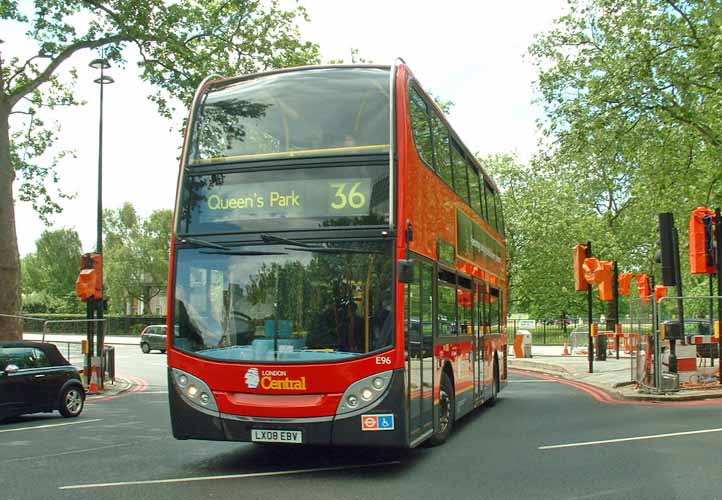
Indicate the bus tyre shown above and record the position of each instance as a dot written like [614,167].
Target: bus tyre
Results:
[494,386]
[145,348]
[447,411]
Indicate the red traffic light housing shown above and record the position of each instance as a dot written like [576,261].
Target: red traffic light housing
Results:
[701,241]
[580,283]
[599,272]
[89,284]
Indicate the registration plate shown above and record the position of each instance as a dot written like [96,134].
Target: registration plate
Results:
[276,436]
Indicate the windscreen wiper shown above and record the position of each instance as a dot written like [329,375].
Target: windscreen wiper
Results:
[333,250]
[203,243]
[298,245]
[269,238]
[241,252]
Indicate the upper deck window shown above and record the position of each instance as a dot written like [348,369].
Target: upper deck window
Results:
[314,112]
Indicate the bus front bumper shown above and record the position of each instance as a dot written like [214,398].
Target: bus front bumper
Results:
[191,422]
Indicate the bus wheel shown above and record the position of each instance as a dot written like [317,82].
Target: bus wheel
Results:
[494,386]
[447,411]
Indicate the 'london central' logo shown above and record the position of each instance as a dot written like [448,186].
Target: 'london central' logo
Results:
[274,380]
[252,378]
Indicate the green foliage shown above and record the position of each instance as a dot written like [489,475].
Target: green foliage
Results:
[542,224]
[42,303]
[632,99]
[136,253]
[180,43]
[50,272]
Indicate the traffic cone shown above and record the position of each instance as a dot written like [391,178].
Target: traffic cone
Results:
[566,349]
[94,385]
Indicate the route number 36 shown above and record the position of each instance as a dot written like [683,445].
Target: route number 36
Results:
[383,360]
[351,197]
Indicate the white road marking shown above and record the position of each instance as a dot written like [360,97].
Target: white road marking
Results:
[636,438]
[51,425]
[73,452]
[228,476]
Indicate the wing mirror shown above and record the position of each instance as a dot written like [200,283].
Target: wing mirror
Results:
[11,369]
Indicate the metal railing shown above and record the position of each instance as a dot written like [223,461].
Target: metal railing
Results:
[47,323]
[72,350]
[545,331]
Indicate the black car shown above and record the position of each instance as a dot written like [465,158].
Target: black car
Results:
[35,377]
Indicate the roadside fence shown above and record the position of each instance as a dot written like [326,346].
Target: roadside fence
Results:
[547,331]
[72,323]
[71,350]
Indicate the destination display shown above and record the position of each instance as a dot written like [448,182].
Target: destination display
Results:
[304,198]
[282,199]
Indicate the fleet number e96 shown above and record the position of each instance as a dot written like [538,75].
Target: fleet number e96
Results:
[383,360]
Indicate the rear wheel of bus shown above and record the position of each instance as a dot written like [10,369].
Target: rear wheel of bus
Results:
[494,385]
[447,411]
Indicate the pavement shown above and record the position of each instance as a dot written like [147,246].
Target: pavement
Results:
[613,376]
[119,386]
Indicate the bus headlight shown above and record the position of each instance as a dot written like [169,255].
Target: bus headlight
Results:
[194,390]
[364,392]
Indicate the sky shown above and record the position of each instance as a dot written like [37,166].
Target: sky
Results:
[473,53]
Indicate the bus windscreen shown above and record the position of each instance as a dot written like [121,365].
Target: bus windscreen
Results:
[327,111]
[284,303]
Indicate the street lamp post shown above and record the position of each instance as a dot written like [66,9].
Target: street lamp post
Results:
[102,64]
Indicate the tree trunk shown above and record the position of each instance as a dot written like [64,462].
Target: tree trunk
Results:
[10,299]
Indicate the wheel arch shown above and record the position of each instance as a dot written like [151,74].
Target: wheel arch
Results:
[449,370]
[73,382]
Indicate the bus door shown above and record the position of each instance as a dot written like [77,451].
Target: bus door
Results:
[419,331]
[480,320]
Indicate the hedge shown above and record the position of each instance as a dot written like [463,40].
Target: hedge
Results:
[115,324]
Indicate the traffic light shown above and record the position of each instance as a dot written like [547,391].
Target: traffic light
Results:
[701,241]
[89,284]
[645,290]
[580,283]
[625,283]
[669,249]
[599,272]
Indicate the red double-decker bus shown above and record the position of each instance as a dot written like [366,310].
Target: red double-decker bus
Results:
[338,264]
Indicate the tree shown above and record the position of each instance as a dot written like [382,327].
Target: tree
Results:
[180,43]
[543,219]
[52,269]
[631,93]
[632,96]
[136,254]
